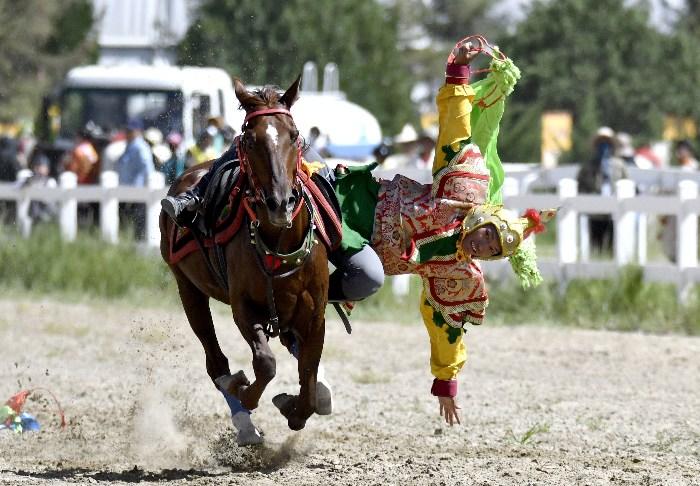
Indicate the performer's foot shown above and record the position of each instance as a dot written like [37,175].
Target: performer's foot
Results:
[182,208]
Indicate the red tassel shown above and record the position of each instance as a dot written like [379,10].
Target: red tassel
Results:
[535,224]
[16,402]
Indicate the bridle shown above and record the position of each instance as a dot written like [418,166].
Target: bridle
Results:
[257,192]
[269,260]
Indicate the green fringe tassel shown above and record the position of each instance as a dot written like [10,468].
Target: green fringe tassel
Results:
[524,263]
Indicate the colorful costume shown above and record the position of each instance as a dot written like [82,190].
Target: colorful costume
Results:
[417,228]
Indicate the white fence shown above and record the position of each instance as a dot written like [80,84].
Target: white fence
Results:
[68,194]
[629,212]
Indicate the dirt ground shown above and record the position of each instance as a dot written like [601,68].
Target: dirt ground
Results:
[541,405]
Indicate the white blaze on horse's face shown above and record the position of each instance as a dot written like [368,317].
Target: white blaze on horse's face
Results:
[272,133]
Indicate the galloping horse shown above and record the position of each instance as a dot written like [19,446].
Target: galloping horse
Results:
[279,226]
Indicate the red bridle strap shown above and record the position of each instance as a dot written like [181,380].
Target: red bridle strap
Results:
[267,111]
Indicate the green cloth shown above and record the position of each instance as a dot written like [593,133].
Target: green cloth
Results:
[485,120]
[357,191]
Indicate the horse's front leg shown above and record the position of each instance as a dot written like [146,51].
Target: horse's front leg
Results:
[298,409]
[264,366]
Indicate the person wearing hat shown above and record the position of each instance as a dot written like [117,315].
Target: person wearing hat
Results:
[134,167]
[439,231]
[136,163]
[598,176]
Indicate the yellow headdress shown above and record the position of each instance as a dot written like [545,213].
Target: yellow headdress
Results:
[512,232]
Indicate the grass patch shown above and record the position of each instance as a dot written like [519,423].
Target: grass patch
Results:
[62,329]
[85,268]
[529,434]
[89,269]
[626,303]
[368,377]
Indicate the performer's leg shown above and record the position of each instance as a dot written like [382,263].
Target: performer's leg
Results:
[182,207]
[356,276]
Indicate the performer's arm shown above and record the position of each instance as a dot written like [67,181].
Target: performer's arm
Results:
[447,356]
[454,102]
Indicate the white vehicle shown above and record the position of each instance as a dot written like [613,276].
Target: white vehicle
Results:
[181,99]
[166,97]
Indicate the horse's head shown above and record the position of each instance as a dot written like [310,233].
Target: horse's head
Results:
[269,145]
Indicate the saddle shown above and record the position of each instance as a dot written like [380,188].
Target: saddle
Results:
[222,213]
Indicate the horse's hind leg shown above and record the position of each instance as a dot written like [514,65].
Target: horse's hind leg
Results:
[196,305]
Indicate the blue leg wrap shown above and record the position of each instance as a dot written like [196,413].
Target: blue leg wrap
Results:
[294,349]
[234,403]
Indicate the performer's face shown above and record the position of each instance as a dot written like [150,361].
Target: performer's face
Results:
[482,242]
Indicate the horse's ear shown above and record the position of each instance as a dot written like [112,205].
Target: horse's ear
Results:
[292,94]
[243,95]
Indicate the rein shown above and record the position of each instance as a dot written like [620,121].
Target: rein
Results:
[269,261]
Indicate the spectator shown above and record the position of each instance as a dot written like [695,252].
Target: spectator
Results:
[202,151]
[83,160]
[134,167]
[319,142]
[39,211]
[136,163]
[229,134]
[686,156]
[154,139]
[175,165]
[9,162]
[598,176]
[668,225]
[218,142]
[624,149]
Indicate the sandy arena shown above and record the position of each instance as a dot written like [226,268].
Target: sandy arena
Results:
[540,406]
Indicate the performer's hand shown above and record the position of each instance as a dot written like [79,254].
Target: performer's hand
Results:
[465,53]
[449,410]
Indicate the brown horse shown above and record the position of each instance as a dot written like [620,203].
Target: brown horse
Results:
[279,225]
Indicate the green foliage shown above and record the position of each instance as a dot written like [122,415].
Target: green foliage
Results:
[87,267]
[602,61]
[626,303]
[528,434]
[40,41]
[267,42]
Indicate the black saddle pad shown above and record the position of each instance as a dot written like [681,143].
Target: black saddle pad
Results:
[217,194]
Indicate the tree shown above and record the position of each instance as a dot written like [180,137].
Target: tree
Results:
[602,61]
[40,41]
[266,41]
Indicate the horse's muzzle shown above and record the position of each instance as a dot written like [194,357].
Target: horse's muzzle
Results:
[281,213]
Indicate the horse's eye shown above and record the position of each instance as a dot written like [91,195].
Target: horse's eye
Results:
[294,135]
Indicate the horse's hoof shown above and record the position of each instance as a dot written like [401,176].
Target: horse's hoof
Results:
[247,433]
[284,402]
[296,423]
[232,383]
[324,398]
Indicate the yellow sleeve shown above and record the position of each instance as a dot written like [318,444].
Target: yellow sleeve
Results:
[448,352]
[454,103]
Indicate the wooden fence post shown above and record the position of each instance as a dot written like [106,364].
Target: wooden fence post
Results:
[567,250]
[686,234]
[22,204]
[68,212]
[109,207]
[624,224]
[156,182]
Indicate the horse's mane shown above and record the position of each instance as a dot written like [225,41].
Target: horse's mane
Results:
[265,97]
